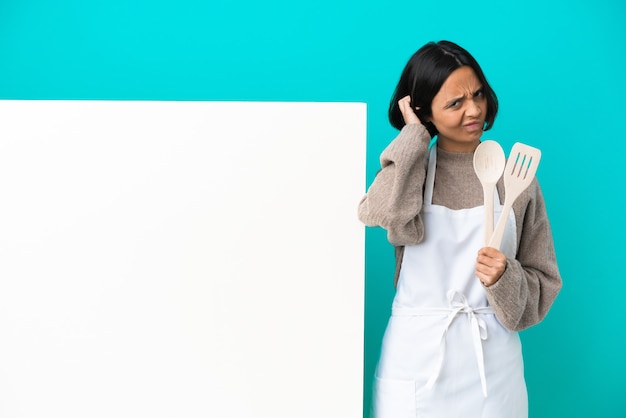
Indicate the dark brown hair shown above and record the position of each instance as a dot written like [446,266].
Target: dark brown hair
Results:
[424,75]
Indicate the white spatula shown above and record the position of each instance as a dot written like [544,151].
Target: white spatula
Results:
[488,164]
[518,174]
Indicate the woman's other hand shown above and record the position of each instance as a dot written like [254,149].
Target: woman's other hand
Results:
[408,114]
[490,265]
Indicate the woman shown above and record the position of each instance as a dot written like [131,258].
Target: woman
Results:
[451,347]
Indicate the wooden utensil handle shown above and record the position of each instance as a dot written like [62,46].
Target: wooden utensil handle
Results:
[488,206]
[498,233]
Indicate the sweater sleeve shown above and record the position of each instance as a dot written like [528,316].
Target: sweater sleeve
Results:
[531,281]
[394,200]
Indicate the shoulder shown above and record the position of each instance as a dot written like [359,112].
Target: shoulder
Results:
[531,197]
[530,209]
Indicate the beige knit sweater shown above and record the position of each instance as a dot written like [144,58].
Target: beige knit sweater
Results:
[531,281]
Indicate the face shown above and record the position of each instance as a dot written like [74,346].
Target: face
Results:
[459,110]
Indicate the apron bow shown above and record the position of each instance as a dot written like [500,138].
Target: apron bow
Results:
[459,305]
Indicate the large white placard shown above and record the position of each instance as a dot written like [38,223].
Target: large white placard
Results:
[181,259]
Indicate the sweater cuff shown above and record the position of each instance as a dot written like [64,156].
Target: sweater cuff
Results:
[412,140]
[416,130]
[503,297]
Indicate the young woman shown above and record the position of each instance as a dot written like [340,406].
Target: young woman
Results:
[451,347]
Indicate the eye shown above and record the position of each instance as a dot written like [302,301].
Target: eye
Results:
[479,93]
[454,103]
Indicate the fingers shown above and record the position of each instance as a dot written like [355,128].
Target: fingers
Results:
[408,114]
[490,265]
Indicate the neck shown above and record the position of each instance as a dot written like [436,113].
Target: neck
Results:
[460,147]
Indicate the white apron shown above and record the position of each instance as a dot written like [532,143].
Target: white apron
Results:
[444,352]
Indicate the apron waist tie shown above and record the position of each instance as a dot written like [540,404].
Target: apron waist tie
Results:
[458,305]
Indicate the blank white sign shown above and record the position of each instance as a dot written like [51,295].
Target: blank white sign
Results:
[181,259]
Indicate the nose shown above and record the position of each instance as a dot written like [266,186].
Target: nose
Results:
[473,108]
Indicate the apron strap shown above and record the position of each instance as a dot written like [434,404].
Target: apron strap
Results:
[429,184]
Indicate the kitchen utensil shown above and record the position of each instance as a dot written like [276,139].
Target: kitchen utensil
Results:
[518,174]
[489,163]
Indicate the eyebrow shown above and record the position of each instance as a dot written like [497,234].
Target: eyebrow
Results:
[458,98]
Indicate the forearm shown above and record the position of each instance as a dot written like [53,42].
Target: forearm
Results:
[522,297]
[394,199]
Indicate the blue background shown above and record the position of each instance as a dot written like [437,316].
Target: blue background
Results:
[558,68]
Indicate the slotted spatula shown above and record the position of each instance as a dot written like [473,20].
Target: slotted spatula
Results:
[519,172]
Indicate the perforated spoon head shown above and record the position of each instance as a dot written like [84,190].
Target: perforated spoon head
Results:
[489,161]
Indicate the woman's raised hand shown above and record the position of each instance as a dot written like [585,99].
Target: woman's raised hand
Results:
[408,114]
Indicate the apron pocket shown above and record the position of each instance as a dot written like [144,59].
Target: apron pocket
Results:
[394,398]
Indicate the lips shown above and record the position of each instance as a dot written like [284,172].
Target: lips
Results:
[473,126]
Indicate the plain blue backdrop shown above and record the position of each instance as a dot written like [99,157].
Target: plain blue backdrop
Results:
[557,66]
